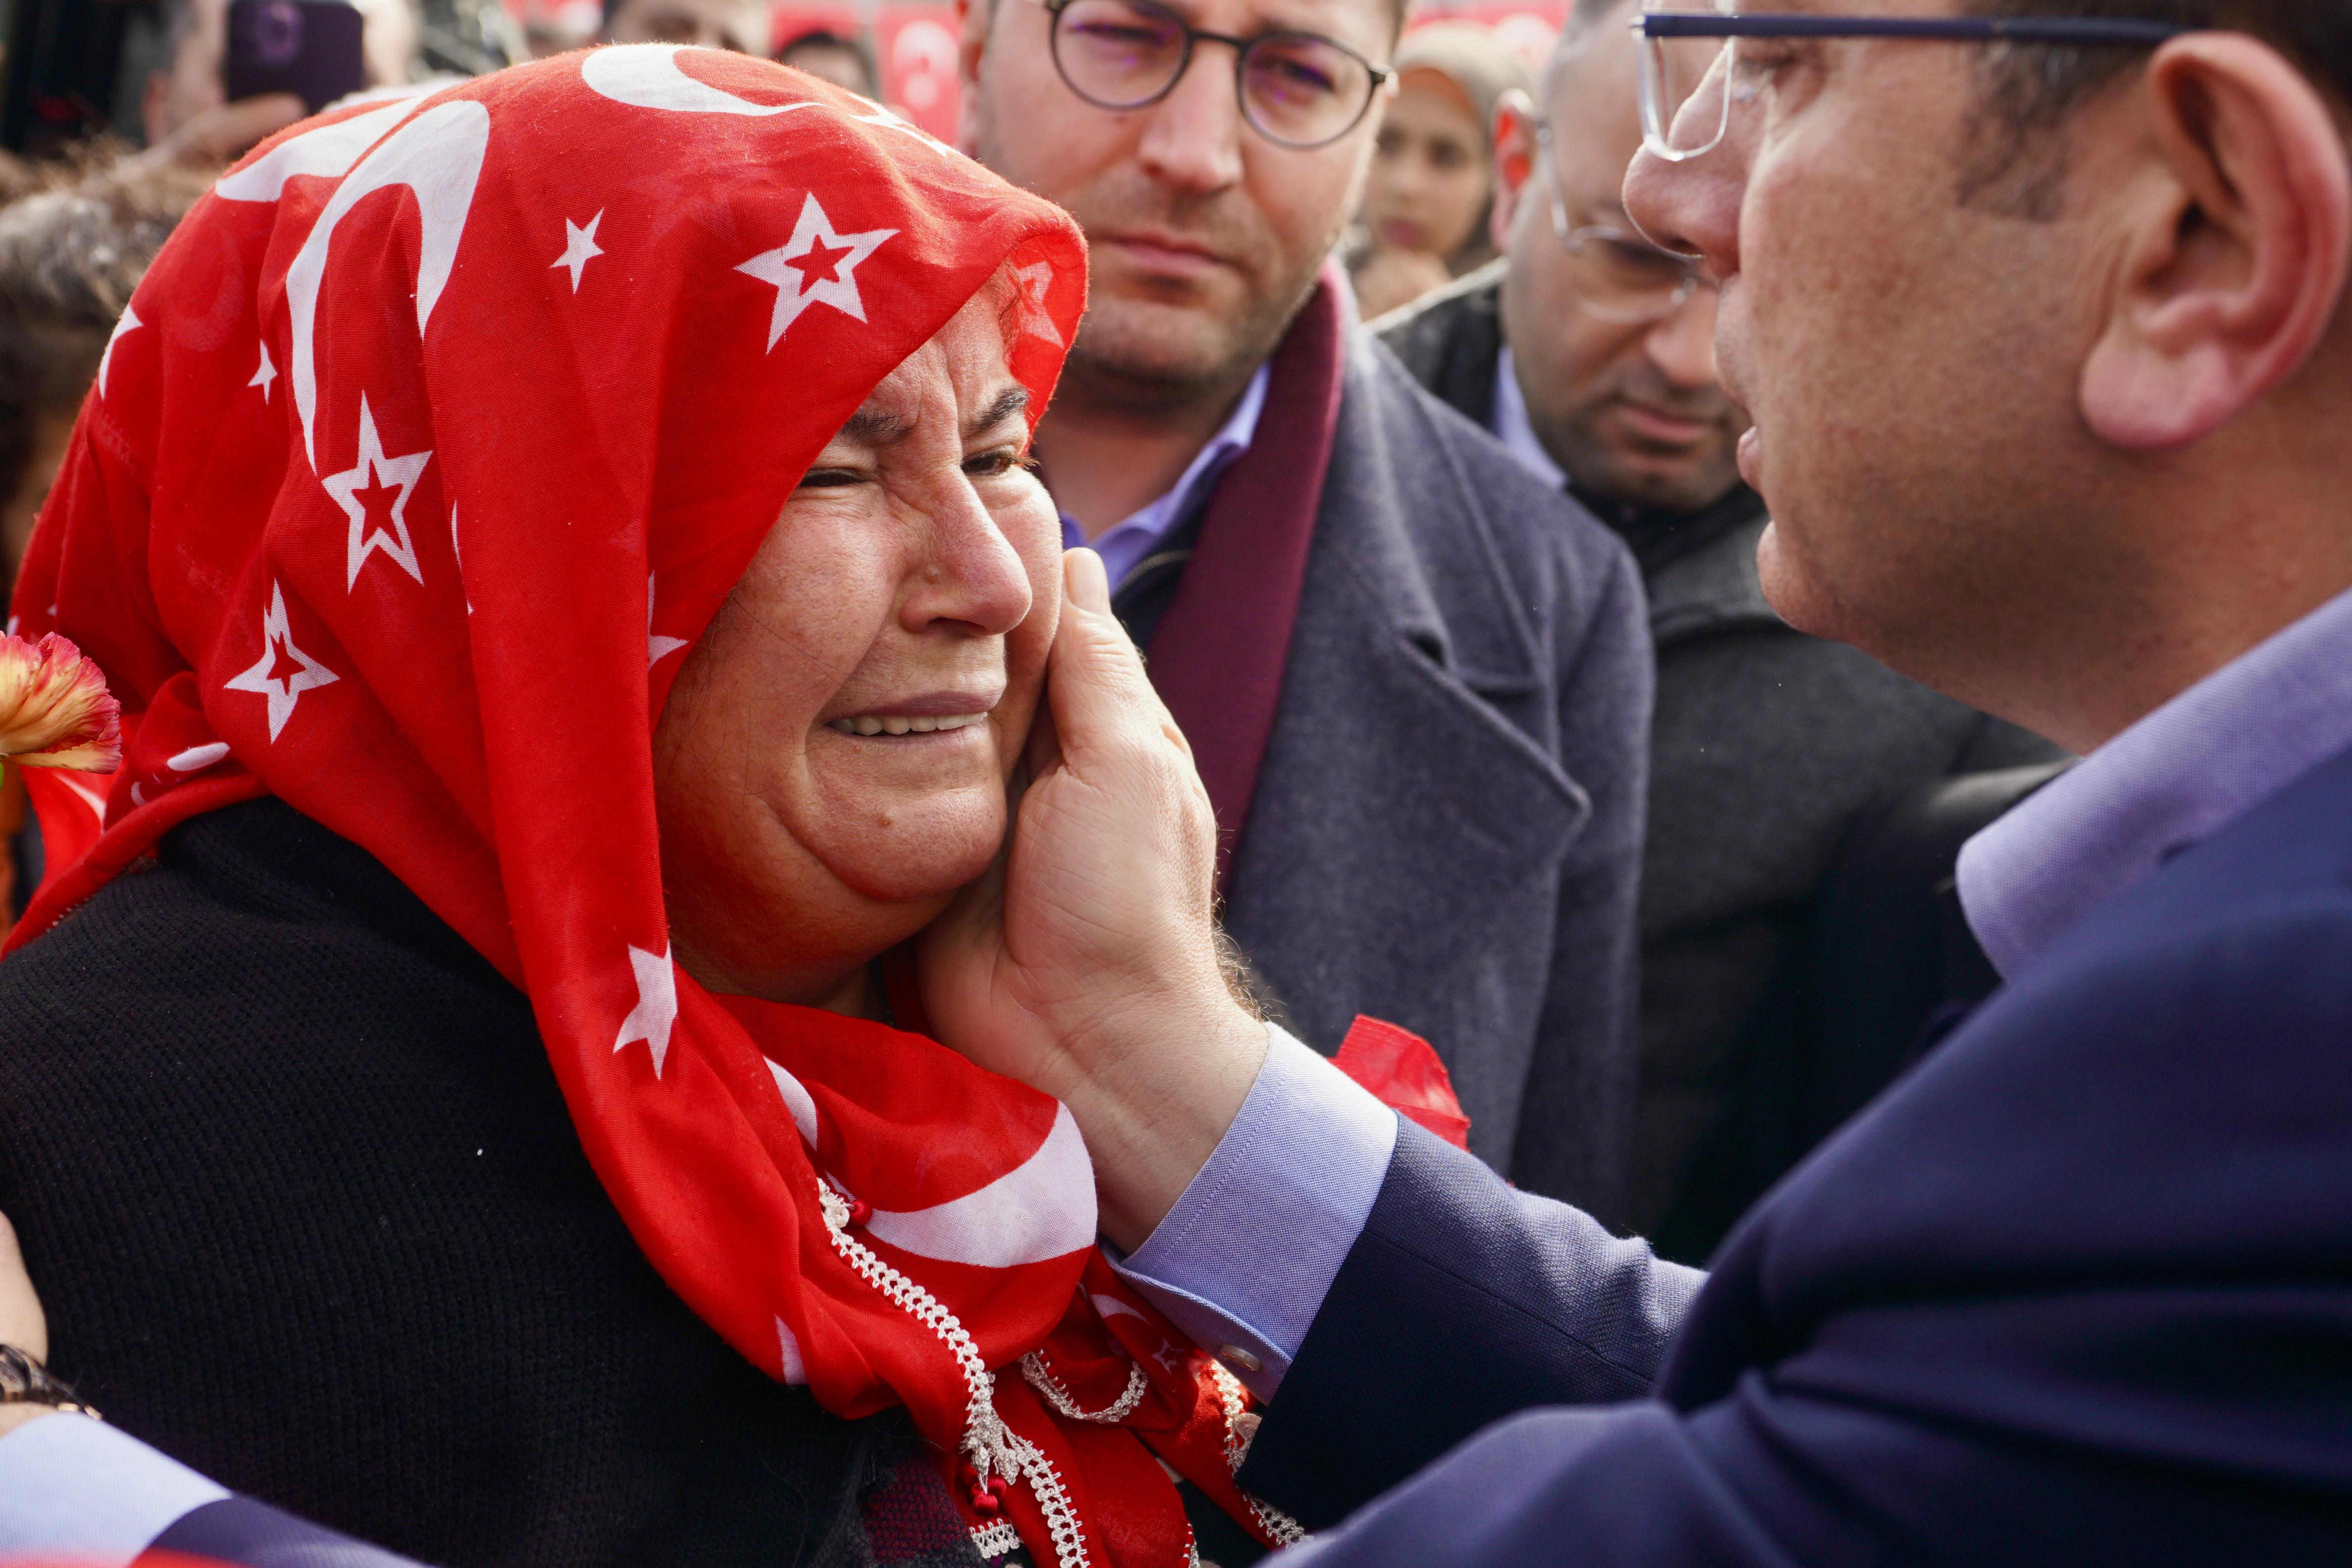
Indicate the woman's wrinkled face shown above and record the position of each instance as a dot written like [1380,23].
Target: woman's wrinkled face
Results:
[831,765]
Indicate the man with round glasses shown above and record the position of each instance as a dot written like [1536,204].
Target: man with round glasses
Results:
[1416,677]
[1790,778]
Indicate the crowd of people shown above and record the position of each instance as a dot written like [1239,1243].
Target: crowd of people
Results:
[1346,798]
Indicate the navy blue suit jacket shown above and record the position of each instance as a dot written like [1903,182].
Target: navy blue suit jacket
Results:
[2077,1291]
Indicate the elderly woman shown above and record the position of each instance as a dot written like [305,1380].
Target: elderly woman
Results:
[566,547]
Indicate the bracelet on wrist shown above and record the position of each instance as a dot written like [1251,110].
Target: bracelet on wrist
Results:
[24,1381]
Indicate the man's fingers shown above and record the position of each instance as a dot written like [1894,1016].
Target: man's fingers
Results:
[1096,686]
[22,1323]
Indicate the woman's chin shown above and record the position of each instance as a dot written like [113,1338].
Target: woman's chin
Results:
[906,847]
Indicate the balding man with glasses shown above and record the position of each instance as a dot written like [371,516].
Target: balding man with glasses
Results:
[1806,802]
[1415,677]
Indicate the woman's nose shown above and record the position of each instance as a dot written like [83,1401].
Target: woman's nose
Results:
[969,570]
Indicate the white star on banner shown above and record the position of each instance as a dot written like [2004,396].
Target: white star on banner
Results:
[283,672]
[379,521]
[656,648]
[579,246]
[1037,320]
[816,267]
[267,374]
[657,1009]
[128,322]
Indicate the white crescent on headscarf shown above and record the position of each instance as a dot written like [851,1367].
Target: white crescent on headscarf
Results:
[1044,1208]
[437,155]
[1112,1307]
[645,75]
[331,151]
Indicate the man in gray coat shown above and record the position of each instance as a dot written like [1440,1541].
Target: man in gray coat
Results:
[1590,353]
[1416,677]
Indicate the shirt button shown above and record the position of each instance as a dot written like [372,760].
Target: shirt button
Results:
[1238,1359]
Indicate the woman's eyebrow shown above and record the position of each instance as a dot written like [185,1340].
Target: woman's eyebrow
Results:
[872,427]
[1012,400]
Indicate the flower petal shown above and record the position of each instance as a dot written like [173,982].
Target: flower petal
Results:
[55,712]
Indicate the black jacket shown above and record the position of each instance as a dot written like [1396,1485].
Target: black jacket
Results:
[308,1213]
[1767,746]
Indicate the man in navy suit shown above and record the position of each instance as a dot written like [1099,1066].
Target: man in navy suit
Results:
[2050,363]
[2051,375]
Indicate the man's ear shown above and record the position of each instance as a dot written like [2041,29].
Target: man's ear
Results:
[1514,161]
[2231,278]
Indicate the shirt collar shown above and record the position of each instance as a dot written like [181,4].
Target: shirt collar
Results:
[2173,779]
[1125,544]
[1512,427]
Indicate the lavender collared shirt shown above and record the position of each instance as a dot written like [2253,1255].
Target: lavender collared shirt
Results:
[2178,776]
[1128,542]
[1516,429]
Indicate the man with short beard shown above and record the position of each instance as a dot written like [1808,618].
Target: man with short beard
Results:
[1590,353]
[1415,676]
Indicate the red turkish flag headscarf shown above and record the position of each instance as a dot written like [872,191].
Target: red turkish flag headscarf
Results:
[432,438]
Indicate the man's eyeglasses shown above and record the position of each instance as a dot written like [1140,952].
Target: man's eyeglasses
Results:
[1691,56]
[1296,90]
[1618,275]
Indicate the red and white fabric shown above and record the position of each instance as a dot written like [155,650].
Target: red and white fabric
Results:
[433,437]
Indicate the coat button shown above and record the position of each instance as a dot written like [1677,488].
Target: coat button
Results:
[1238,1359]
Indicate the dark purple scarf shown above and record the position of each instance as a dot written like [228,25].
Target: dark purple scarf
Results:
[1219,652]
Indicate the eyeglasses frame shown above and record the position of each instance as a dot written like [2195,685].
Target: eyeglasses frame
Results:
[1381,75]
[1571,239]
[2079,31]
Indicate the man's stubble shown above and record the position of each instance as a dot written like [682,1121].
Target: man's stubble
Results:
[1143,350]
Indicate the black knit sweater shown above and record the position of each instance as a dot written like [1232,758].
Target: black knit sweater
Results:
[304,1203]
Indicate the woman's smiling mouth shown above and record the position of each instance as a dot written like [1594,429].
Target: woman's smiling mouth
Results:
[903,723]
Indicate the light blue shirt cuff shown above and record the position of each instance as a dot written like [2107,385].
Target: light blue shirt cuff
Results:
[1244,1261]
[77,1487]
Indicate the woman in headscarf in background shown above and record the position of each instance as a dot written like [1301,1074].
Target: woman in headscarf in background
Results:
[565,554]
[1431,190]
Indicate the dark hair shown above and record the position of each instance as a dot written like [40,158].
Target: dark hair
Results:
[826,38]
[1589,14]
[2030,90]
[2036,86]
[69,257]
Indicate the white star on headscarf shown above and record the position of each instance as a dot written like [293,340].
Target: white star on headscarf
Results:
[283,672]
[263,376]
[657,1010]
[130,322]
[1037,320]
[378,523]
[891,122]
[656,648]
[816,267]
[579,246]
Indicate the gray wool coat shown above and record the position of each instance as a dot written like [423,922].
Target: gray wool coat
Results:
[1448,826]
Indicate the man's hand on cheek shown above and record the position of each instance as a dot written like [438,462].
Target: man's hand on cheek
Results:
[1086,963]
